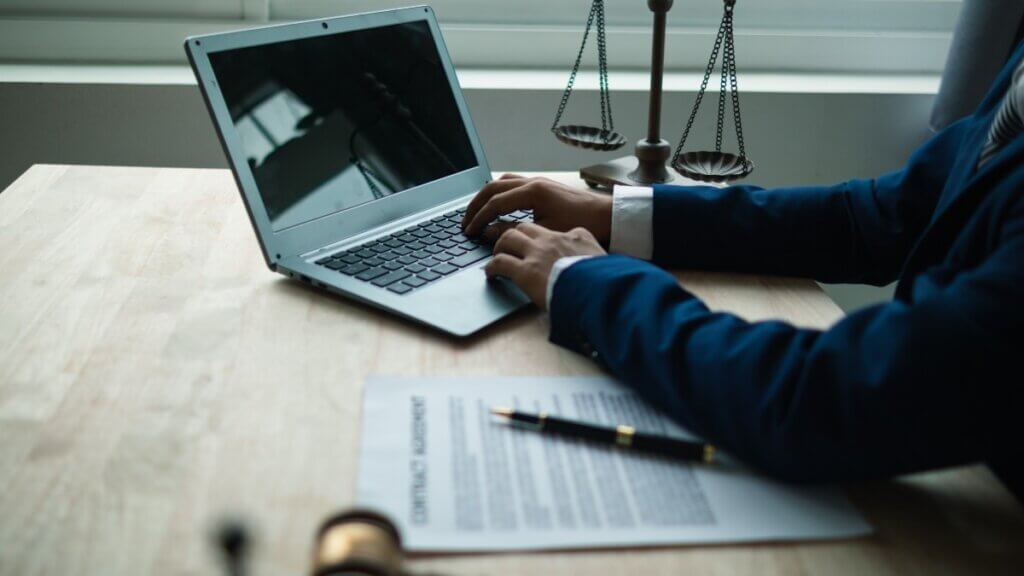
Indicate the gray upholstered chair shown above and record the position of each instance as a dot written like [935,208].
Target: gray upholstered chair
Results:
[986,34]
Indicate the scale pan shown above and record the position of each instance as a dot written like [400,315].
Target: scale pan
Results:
[713,166]
[589,137]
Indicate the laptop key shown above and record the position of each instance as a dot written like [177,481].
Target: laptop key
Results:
[432,249]
[392,243]
[372,273]
[472,256]
[402,250]
[349,258]
[354,269]
[414,281]
[394,265]
[417,245]
[324,260]
[415,268]
[443,257]
[455,251]
[336,264]
[447,244]
[429,262]
[407,260]
[399,288]
[373,262]
[364,253]
[444,268]
[428,275]
[391,278]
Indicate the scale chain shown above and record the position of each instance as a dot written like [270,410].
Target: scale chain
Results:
[575,67]
[703,88]
[597,14]
[722,94]
[607,123]
[730,52]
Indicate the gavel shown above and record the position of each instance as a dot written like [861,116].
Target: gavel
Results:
[355,542]
[358,543]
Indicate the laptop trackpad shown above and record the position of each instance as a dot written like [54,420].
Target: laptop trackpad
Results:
[467,301]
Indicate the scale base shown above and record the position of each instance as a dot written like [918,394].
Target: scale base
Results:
[620,171]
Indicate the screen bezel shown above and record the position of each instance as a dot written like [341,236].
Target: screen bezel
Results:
[334,227]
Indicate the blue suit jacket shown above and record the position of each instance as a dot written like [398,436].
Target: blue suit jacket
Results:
[930,379]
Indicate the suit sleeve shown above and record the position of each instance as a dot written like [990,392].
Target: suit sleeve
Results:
[858,231]
[890,389]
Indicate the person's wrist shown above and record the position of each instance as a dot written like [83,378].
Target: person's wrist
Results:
[601,221]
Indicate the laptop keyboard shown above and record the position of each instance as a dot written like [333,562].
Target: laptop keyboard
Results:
[416,256]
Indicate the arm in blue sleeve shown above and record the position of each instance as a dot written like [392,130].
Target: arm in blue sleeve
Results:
[890,389]
[859,231]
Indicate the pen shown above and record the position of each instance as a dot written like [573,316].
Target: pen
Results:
[621,436]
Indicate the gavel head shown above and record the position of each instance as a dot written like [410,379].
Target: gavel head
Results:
[358,543]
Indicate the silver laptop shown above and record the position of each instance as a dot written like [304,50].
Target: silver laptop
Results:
[355,155]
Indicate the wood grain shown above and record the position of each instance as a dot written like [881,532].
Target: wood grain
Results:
[155,377]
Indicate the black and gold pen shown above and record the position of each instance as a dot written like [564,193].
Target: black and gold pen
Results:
[622,436]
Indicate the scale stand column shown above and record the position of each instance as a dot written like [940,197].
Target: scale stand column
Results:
[653,151]
[649,164]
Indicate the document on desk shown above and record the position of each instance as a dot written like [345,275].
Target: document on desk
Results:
[455,478]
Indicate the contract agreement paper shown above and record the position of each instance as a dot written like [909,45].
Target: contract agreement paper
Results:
[456,478]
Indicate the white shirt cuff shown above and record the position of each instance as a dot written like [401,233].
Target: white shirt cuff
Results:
[560,265]
[633,221]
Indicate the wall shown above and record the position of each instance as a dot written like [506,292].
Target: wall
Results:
[794,138]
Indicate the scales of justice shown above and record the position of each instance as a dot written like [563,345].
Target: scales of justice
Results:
[654,161]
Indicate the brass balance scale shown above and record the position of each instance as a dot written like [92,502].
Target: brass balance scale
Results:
[653,155]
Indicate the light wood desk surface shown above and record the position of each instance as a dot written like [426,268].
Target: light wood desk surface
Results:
[154,376]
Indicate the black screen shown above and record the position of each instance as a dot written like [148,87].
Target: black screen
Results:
[335,121]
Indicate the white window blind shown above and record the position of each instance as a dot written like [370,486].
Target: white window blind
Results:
[221,9]
[878,15]
[878,36]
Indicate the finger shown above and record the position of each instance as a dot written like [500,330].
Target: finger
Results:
[513,242]
[520,198]
[512,176]
[505,265]
[532,230]
[494,231]
[486,193]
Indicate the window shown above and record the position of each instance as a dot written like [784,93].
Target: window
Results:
[123,8]
[776,35]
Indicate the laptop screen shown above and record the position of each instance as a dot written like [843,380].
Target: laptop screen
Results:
[335,121]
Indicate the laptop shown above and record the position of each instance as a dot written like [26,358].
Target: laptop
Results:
[355,155]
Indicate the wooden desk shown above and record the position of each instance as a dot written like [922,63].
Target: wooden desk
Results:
[155,376]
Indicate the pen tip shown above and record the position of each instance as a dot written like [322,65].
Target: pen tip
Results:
[501,411]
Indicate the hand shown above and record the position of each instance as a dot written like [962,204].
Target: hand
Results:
[555,206]
[526,253]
